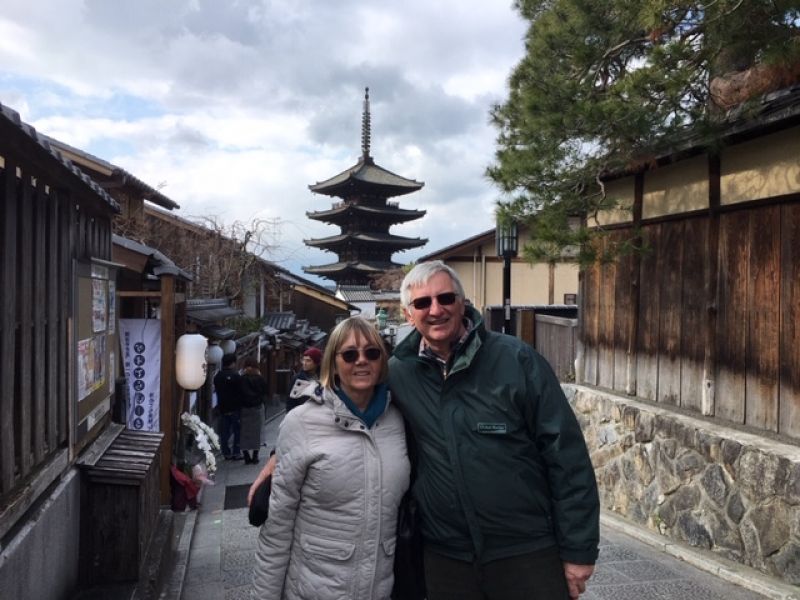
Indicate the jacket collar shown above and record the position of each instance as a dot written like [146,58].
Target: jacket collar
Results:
[463,353]
[314,391]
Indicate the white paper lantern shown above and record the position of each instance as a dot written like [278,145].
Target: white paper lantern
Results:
[228,346]
[190,361]
[214,354]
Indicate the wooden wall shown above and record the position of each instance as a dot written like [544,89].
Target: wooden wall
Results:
[717,290]
[44,225]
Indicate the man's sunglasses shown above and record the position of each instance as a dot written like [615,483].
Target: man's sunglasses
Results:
[351,356]
[423,302]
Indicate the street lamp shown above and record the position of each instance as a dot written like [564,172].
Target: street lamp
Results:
[506,242]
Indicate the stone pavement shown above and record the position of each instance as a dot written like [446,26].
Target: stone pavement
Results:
[216,555]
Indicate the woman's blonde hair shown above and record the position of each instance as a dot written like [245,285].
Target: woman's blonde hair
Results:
[362,329]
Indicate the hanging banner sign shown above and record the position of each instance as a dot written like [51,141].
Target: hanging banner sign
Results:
[140,341]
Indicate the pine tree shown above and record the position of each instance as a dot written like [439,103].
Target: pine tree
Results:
[608,85]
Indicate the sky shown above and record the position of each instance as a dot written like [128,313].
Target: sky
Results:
[232,108]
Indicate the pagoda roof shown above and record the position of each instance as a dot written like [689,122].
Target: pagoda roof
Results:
[367,238]
[357,267]
[366,176]
[346,210]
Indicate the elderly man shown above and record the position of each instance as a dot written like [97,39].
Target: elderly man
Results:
[505,485]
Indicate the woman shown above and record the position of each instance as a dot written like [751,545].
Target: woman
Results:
[342,469]
[253,395]
[309,372]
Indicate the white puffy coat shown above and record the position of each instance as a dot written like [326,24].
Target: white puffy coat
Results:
[332,520]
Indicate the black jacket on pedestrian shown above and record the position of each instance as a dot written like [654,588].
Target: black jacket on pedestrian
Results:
[254,390]
[228,384]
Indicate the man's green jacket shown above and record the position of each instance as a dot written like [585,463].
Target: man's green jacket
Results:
[503,468]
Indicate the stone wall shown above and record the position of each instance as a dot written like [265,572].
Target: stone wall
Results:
[717,488]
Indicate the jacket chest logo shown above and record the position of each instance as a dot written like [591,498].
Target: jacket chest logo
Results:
[492,428]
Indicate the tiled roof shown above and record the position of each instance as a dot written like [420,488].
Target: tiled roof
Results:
[207,311]
[366,173]
[12,118]
[356,293]
[161,264]
[282,321]
[346,210]
[151,194]
[358,267]
[385,239]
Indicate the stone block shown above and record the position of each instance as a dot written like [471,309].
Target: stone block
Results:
[602,456]
[691,530]
[735,508]
[666,475]
[669,447]
[709,446]
[771,525]
[787,563]
[724,534]
[629,417]
[645,426]
[664,426]
[627,441]
[761,475]
[685,498]
[607,435]
[793,484]
[715,484]
[688,464]
[731,450]
[752,551]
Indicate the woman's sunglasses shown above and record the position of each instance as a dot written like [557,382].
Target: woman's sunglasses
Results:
[351,356]
[423,302]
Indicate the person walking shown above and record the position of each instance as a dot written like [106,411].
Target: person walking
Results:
[227,384]
[505,486]
[309,371]
[253,396]
[342,469]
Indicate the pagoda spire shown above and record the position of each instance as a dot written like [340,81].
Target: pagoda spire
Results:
[364,246]
[366,134]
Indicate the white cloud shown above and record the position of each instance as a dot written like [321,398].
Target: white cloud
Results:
[239,106]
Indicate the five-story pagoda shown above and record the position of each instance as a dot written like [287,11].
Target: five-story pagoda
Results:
[364,246]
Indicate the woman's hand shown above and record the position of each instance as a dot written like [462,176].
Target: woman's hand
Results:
[265,472]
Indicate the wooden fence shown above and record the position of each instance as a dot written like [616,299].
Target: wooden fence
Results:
[554,337]
[707,319]
[556,341]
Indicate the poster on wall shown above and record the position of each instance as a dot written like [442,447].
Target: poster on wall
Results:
[140,342]
[91,365]
[99,300]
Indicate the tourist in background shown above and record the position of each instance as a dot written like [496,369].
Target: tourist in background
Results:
[228,386]
[309,371]
[253,396]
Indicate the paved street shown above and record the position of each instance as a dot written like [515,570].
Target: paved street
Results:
[220,555]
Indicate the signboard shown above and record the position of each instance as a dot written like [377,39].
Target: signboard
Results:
[140,344]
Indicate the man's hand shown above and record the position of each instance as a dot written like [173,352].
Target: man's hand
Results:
[265,472]
[577,576]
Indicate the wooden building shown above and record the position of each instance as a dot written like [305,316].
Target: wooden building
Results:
[56,345]
[708,318]
[364,246]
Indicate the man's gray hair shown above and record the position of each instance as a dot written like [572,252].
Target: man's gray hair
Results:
[421,274]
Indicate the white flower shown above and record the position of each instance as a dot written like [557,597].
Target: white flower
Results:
[205,439]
